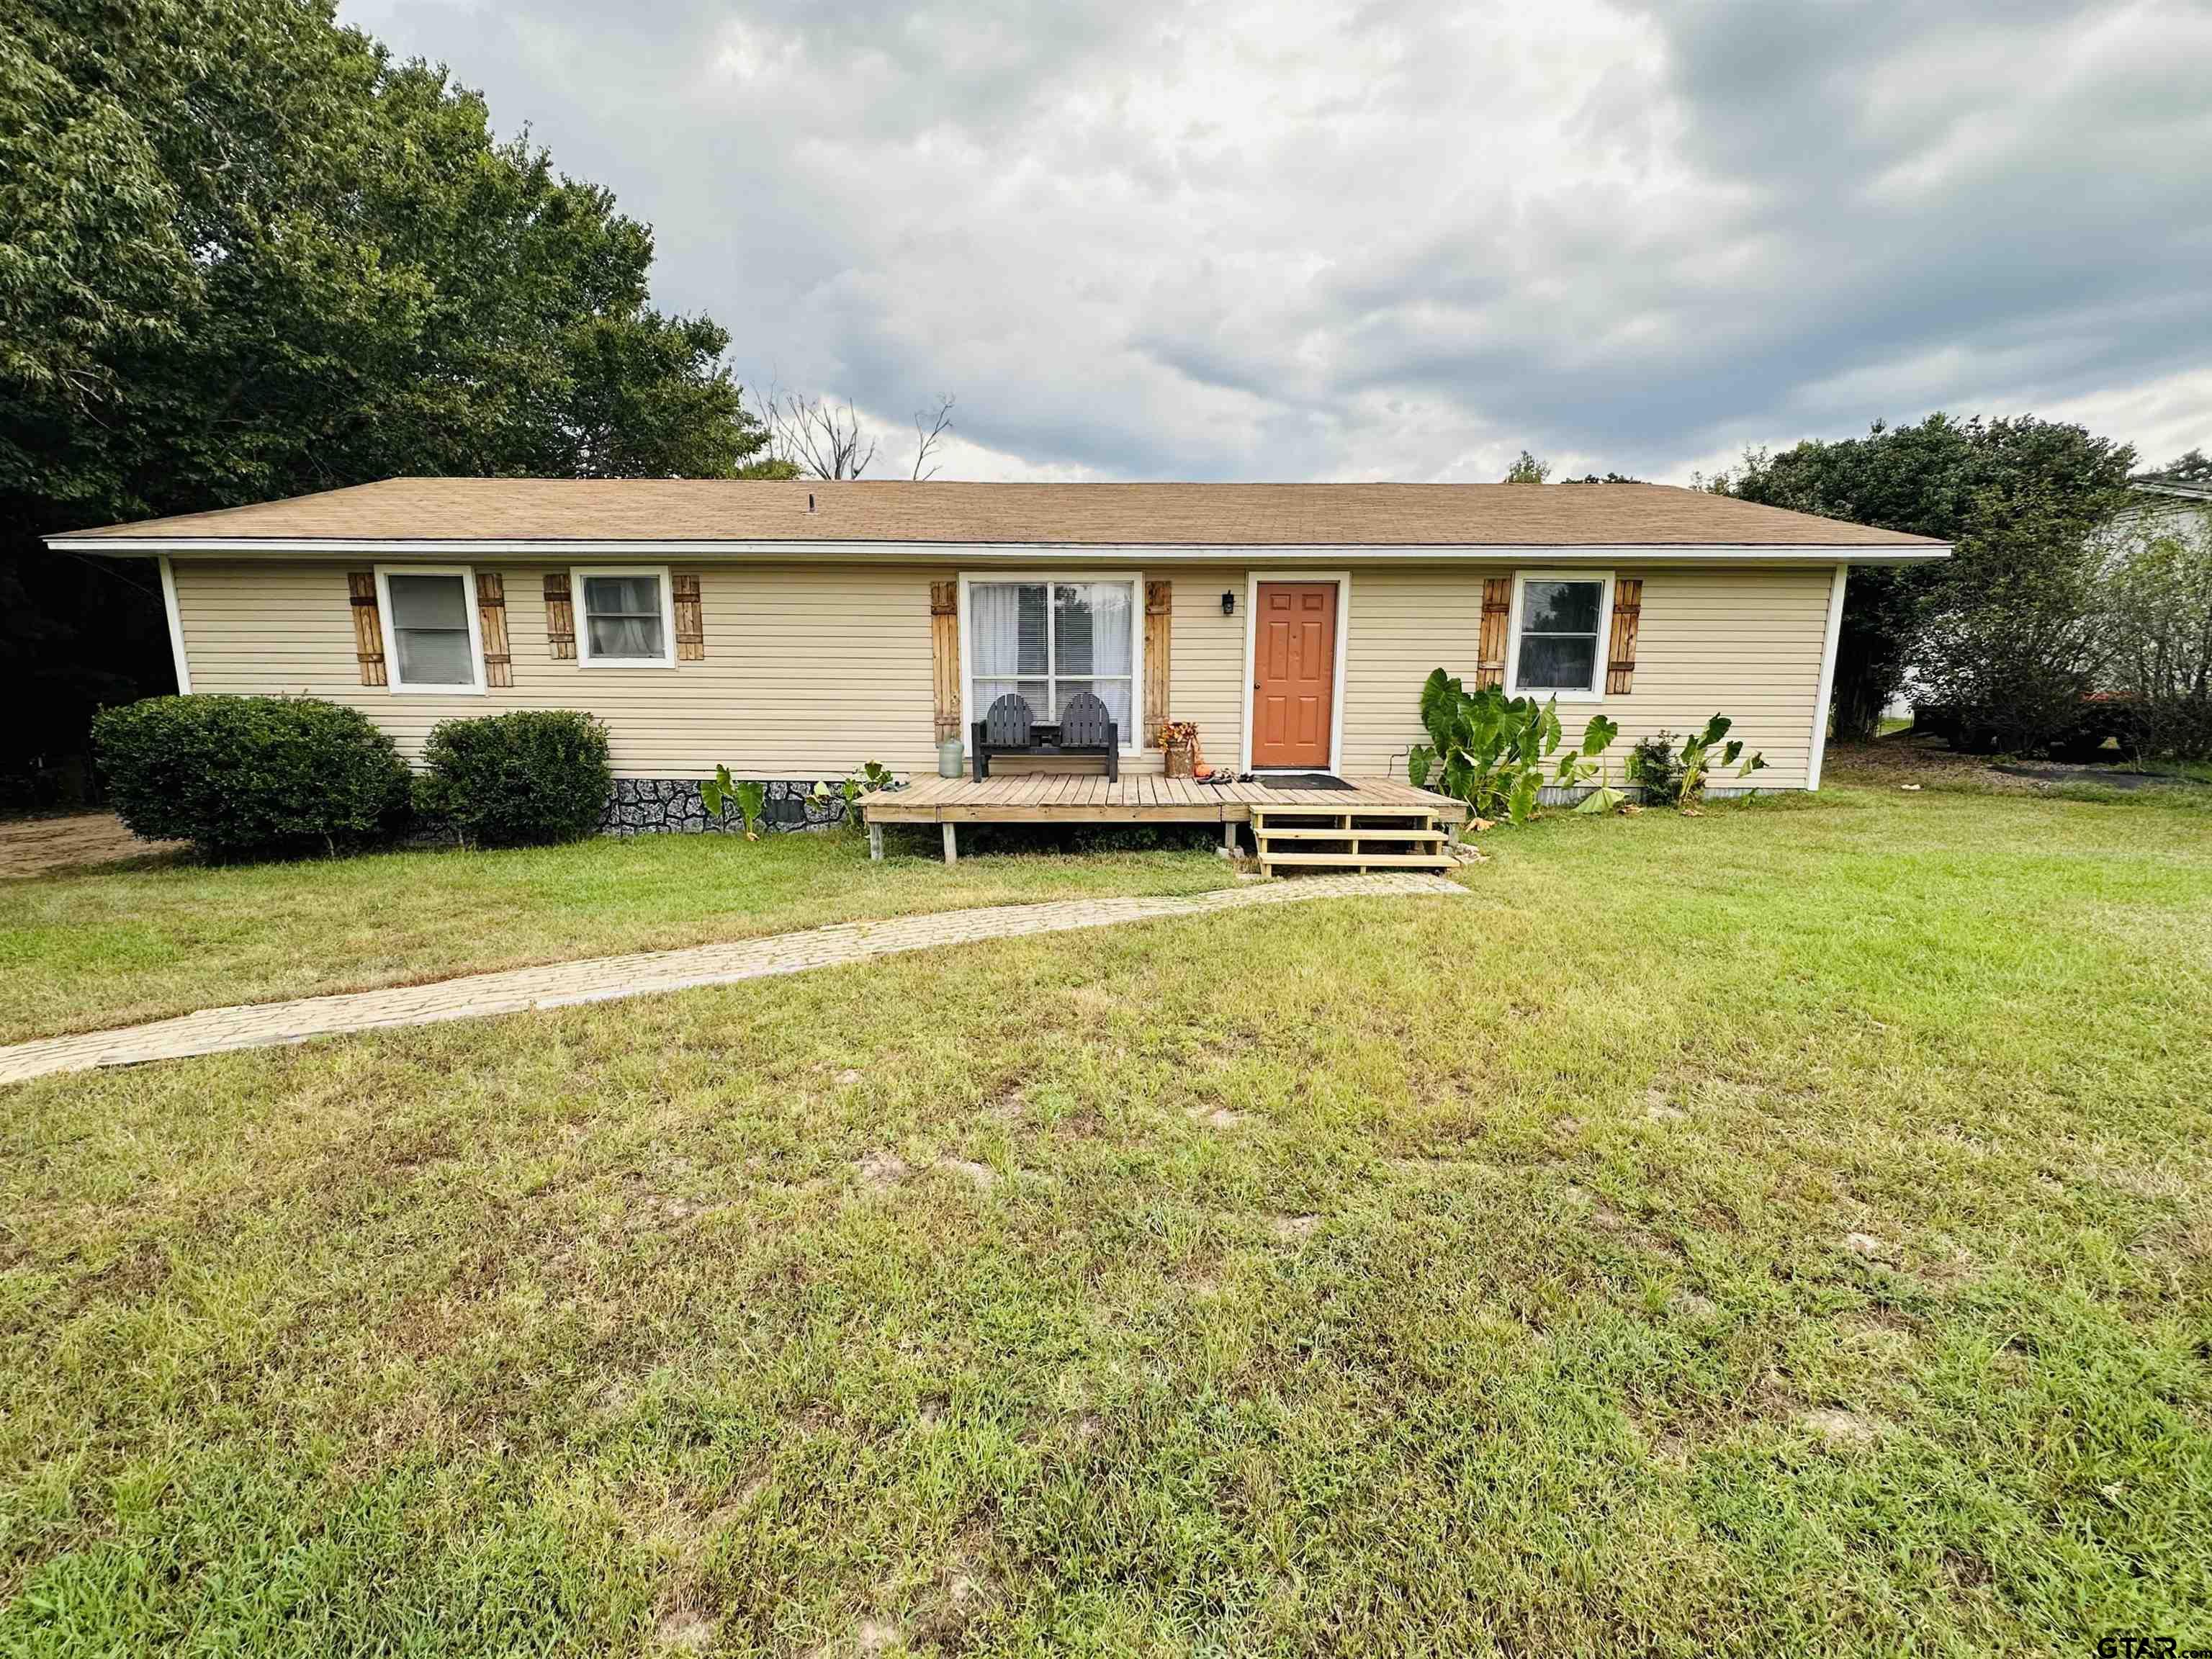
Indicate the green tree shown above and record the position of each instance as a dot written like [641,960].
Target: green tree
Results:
[244,254]
[2157,618]
[2194,468]
[1527,470]
[2008,618]
[2010,628]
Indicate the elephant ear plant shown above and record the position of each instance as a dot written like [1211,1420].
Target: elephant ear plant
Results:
[1698,760]
[1581,766]
[720,792]
[872,777]
[1494,752]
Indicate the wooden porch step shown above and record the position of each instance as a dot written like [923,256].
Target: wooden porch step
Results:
[1354,807]
[1367,832]
[1358,861]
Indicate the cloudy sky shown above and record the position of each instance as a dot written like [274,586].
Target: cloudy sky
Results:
[1386,240]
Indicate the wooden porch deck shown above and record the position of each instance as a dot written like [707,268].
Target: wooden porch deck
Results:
[1056,798]
[1090,798]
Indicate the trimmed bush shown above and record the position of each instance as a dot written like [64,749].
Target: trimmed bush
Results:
[251,776]
[526,779]
[1655,768]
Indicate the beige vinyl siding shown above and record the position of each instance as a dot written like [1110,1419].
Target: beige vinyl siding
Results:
[812,670]
[1208,669]
[1743,642]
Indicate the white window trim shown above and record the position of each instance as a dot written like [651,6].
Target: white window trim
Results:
[1252,580]
[1595,693]
[1133,741]
[468,576]
[659,572]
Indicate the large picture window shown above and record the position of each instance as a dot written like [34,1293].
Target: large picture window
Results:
[625,617]
[430,636]
[1046,641]
[1558,633]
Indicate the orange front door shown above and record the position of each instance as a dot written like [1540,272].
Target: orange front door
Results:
[1294,674]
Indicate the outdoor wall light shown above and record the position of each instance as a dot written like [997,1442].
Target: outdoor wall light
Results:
[1228,605]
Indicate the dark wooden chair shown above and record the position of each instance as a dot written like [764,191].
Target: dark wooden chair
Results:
[1087,727]
[1006,729]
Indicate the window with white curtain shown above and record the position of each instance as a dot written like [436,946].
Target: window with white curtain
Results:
[430,631]
[625,617]
[1047,640]
[1558,620]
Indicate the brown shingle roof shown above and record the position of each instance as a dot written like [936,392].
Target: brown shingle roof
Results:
[1160,514]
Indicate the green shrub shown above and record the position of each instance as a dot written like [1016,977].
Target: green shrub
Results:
[525,779]
[241,776]
[1653,767]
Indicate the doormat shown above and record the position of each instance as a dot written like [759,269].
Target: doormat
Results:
[1303,781]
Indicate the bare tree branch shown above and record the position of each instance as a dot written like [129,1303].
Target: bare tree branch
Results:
[818,437]
[822,438]
[929,430]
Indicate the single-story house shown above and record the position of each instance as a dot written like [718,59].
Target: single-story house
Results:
[2163,504]
[793,631]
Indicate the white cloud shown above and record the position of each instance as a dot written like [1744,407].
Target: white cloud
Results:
[1393,240]
[2163,418]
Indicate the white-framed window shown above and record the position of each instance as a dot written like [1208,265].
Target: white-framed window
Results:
[625,616]
[1556,645]
[1047,638]
[431,636]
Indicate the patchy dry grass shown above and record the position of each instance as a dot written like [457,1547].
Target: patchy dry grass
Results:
[88,948]
[1786,1229]
[1898,759]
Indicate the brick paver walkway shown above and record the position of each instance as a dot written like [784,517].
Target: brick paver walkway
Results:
[258,1025]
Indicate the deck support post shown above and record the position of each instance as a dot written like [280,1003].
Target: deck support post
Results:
[951,844]
[876,842]
[1229,838]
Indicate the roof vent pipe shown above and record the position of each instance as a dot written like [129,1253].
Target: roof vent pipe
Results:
[810,501]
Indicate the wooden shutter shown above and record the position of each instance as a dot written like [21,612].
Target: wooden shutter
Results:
[1496,612]
[560,620]
[368,630]
[690,618]
[945,656]
[491,617]
[1620,658]
[1160,618]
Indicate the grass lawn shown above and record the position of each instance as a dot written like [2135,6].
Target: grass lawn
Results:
[1785,1230]
[95,947]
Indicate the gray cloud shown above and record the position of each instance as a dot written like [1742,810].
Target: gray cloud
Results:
[1394,240]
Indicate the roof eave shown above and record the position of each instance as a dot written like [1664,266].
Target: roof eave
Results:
[1871,553]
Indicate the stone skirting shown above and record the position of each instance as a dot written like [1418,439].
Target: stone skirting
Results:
[672,806]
